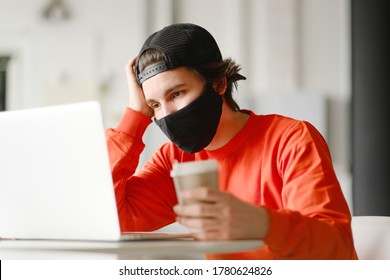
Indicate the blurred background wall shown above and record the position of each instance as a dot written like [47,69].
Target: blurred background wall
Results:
[294,53]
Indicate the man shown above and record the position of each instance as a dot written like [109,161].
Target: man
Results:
[276,180]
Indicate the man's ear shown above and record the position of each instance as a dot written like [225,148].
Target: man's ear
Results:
[220,85]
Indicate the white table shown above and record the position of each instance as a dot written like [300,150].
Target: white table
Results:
[161,249]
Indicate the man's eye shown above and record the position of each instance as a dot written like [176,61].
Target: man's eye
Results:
[176,94]
[154,106]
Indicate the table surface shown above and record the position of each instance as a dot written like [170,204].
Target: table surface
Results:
[151,249]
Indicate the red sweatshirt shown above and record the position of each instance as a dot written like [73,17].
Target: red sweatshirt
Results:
[274,161]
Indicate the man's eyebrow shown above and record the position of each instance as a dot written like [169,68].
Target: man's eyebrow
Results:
[173,88]
[166,92]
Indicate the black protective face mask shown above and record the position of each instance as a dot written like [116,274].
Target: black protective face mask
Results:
[193,127]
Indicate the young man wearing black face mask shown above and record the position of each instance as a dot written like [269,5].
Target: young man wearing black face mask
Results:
[277,181]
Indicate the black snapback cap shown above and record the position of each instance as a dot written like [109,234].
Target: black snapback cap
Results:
[182,44]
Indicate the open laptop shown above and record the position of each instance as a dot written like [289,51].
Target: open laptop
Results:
[55,178]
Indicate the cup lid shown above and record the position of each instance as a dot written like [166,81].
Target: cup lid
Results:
[193,167]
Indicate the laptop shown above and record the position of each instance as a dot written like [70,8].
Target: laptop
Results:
[55,178]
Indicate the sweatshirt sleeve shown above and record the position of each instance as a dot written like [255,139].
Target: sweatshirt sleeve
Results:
[315,220]
[140,201]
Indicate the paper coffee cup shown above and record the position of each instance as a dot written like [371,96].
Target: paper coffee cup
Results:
[194,174]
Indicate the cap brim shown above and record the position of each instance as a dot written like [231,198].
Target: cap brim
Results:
[240,77]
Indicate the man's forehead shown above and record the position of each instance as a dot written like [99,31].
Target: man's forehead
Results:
[171,79]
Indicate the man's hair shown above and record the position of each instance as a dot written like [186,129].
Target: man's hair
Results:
[210,72]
